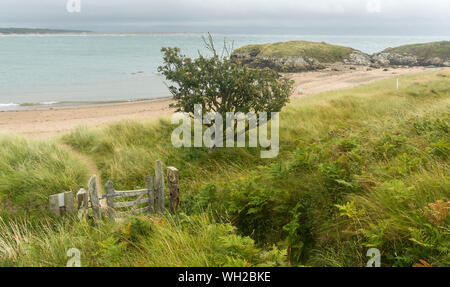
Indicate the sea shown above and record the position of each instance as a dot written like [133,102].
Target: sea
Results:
[44,71]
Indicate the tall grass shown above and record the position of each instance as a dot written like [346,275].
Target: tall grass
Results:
[360,168]
[173,241]
[357,168]
[126,151]
[30,171]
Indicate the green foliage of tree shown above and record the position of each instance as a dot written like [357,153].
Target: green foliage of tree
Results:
[222,85]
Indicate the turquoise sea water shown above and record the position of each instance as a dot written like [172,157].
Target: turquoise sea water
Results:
[41,71]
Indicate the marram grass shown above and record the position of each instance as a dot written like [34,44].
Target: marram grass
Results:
[360,168]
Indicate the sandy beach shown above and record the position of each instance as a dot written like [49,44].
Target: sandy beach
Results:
[52,122]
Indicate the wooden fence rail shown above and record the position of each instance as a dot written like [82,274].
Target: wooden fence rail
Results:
[148,200]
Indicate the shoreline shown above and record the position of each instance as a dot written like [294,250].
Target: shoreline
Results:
[52,121]
[48,122]
[75,105]
[105,34]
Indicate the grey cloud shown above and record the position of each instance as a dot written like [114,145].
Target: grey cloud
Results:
[346,16]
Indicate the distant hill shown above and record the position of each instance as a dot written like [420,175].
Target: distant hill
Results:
[296,56]
[9,31]
[321,51]
[434,53]
[426,50]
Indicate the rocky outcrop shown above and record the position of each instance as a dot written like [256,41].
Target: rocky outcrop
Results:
[288,64]
[385,59]
[299,56]
[358,58]
[295,64]
[427,54]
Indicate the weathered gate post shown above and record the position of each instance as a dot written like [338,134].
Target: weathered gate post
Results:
[93,194]
[62,203]
[172,182]
[82,203]
[159,186]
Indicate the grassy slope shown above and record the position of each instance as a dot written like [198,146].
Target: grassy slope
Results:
[32,170]
[194,241]
[427,50]
[357,169]
[323,52]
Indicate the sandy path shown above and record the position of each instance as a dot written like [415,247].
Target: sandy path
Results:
[317,82]
[92,170]
[44,123]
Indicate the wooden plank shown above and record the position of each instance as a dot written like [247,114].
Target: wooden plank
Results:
[151,200]
[82,203]
[62,204]
[82,199]
[69,204]
[93,193]
[130,193]
[173,183]
[140,197]
[122,204]
[54,204]
[109,189]
[159,186]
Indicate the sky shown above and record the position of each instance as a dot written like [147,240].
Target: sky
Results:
[346,17]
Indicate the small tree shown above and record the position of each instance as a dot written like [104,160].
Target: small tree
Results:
[222,85]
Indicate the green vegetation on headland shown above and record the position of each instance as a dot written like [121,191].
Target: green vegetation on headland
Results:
[297,56]
[435,54]
[8,31]
[294,56]
[359,168]
[323,52]
[426,50]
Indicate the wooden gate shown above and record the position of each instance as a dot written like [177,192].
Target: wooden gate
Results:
[149,200]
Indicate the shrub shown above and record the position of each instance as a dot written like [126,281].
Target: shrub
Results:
[221,85]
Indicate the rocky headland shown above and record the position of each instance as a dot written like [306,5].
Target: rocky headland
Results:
[300,56]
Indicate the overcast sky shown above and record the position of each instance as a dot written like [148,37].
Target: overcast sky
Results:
[411,17]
